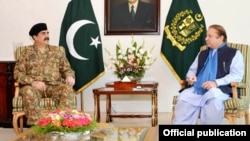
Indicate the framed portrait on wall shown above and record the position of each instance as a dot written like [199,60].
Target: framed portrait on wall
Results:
[132,17]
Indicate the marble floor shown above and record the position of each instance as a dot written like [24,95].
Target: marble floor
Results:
[6,134]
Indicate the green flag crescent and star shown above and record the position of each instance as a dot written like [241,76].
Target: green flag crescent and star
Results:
[184,34]
[81,39]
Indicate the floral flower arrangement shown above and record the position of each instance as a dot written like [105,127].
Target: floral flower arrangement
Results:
[69,120]
[133,62]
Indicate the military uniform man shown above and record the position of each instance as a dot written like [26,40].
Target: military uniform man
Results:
[39,70]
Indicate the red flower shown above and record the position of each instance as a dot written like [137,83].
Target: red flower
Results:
[73,124]
[44,121]
[66,122]
[85,121]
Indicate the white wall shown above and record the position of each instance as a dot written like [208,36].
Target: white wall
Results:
[17,16]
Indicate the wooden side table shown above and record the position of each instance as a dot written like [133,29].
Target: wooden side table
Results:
[108,91]
[142,84]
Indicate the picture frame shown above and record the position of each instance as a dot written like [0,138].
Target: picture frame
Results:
[117,18]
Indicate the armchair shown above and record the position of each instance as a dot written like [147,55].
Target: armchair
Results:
[234,107]
[17,103]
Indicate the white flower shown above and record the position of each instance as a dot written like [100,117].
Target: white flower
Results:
[134,62]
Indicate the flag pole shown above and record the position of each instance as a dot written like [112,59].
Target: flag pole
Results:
[82,101]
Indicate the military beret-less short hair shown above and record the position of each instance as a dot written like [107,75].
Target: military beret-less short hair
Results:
[37,28]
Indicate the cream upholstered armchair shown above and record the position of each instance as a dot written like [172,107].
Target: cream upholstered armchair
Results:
[234,107]
[17,102]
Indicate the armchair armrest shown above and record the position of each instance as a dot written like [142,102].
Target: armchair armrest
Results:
[183,83]
[234,85]
[16,84]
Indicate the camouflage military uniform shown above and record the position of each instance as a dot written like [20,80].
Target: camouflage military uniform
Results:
[49,67]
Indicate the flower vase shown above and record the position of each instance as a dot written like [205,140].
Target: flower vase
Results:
[52,136]
[75,136]
[72,136]
[132,78]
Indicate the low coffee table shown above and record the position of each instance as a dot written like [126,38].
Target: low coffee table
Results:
[109,134]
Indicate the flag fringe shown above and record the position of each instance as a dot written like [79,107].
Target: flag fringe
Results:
[170,67]
[90,82]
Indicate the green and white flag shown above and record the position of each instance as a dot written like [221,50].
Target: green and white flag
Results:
[184,34]
[81,39]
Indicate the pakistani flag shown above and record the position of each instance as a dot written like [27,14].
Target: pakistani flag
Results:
[82,42]
[184,34]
